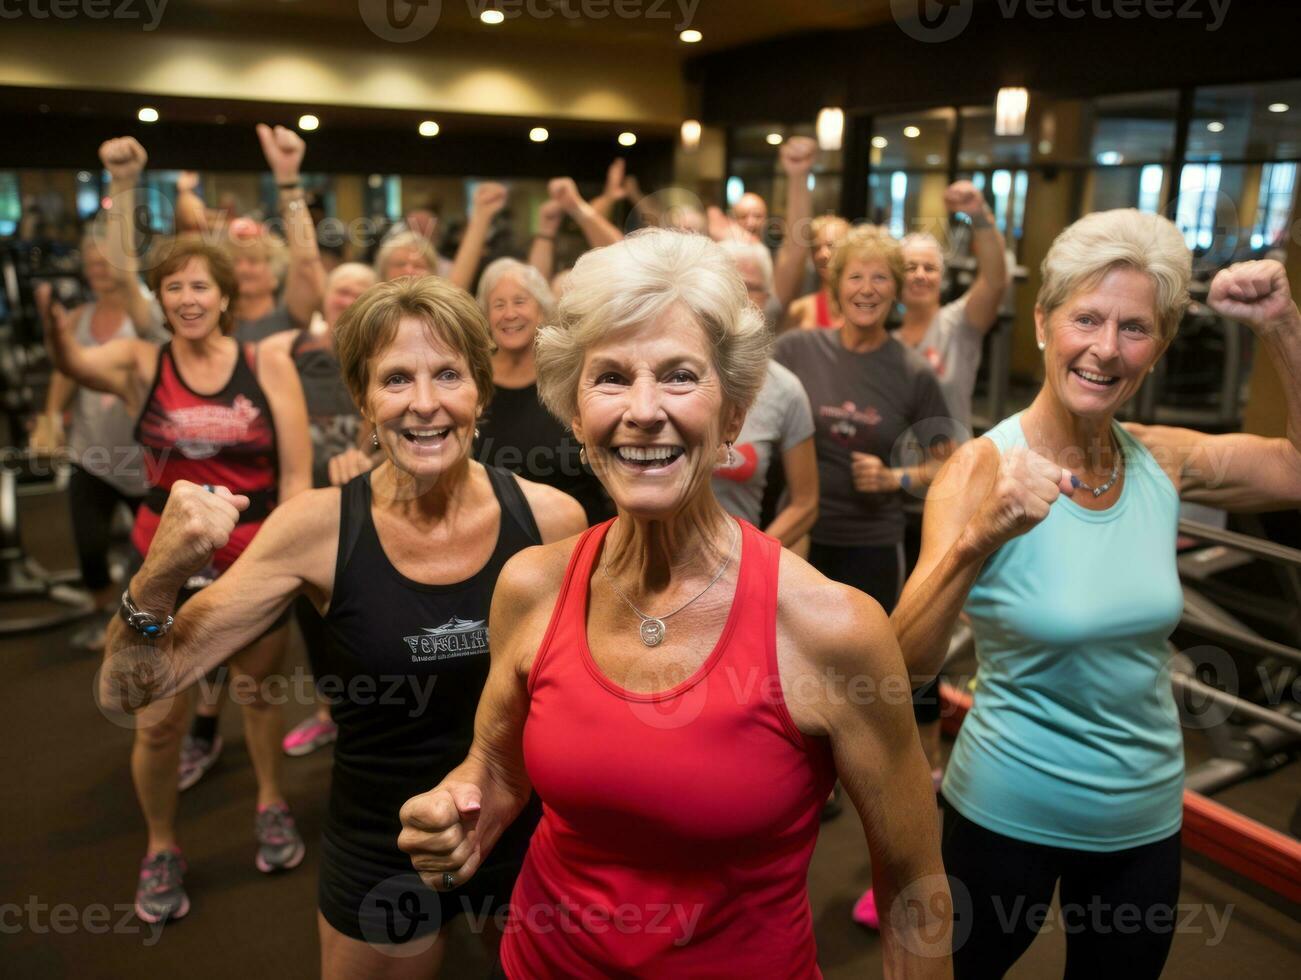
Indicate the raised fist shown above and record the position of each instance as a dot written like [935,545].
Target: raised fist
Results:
[961,197]
[564,190]
[489,198]
[1255,293]
[195,524]
[1026,487]
[187,182]
[348,464]
[123,158]
[438,831]
[283,149]
[871,475]
[797,155]
[550,214]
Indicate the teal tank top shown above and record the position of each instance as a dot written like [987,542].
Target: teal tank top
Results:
[1074,739]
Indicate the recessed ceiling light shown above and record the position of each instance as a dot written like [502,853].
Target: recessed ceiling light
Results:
[627,139]
[1215,127]
[1279,107]
[912,132]
[492,17]
[538,134]
[880,142]
[308,122]
[691,36]
[429,128]
[774,139]
[147,114]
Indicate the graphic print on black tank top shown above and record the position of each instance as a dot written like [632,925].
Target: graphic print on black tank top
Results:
[404,671]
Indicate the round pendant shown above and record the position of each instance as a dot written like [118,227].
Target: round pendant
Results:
[652,632]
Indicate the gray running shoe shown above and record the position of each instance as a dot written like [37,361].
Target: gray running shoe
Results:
[160,894]
[279,845]
[197,757]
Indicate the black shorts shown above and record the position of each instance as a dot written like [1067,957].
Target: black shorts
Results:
[386,904]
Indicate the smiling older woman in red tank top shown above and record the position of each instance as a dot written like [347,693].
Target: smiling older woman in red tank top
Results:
[681,690]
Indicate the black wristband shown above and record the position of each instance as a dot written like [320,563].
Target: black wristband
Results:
[292,186]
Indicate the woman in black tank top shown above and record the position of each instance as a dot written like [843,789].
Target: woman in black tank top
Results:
[402,562]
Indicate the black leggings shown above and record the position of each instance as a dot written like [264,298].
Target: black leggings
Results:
[1118,908]
[92,502]
[878,571]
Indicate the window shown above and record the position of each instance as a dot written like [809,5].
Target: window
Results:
[1195,214]
[1150,179]
[1260,121]
[1277,185]
[11,203]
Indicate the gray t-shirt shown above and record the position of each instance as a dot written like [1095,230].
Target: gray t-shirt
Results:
[251,331]
[862,403]
[779,419]
[101,439]
[952,348]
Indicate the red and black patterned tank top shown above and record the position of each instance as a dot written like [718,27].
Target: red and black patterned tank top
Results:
[224,439]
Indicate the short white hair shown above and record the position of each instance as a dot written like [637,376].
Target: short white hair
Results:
[923,239]
[405,239]
[359,269]
[534,283]
[758,255]
[1090,248]
[635,282]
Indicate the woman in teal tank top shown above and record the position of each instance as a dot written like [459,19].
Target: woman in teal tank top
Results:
[1057,532]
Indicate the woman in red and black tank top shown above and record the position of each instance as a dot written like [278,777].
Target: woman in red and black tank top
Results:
[680,691]
[214,413]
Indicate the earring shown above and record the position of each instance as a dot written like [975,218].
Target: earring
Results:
[476,433]
[731,456]
[582,455]
[374,439]
[1042,345]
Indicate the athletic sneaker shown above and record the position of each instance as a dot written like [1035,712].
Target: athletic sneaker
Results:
[198,755]
[280,846]
[309,735]
[160,895]
[865,913]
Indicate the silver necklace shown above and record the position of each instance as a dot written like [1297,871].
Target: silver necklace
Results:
[1098,491]
[652,627]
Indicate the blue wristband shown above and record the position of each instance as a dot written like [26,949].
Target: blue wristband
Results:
[905,481]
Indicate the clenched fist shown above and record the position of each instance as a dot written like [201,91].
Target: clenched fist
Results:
[123,158]
[962,197]
[564,190]
[489,198]
[871,475]
[348,464]
[1026,487]
[1257,294]
[196,523]
[284,150]
[439,832]
[798,155]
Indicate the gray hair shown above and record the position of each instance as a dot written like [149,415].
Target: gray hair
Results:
[534,283]
[635,282]
[1090,248]
[360,269]
[923,239]
[757,254]
[405,239]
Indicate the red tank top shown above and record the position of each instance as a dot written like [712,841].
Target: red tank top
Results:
[677,826]
[225,439]
[822,309]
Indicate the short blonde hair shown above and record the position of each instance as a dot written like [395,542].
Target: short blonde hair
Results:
[1090,248]
[369,325]
[865,242]
[263,247]
[534,283]
[359,269]
[636,281]
[405,239]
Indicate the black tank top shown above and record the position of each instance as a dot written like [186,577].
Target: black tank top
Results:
[332,417]
[404,671]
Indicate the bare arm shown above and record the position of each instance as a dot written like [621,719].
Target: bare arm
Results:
[305,280]
[279,379]
[292,552]
[542,251]
[980,500]
[842,660]
[454,827]
[986,293]
[125,160]
[615,189]
[797,157]
[1238,471]
[47,431]
[797,518]
[558,515]
[191,212]
[489,198]
[596,229]
[111,368]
